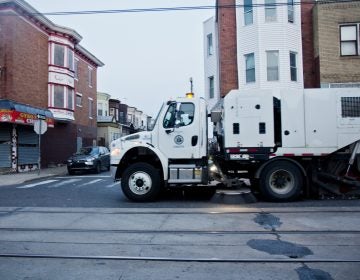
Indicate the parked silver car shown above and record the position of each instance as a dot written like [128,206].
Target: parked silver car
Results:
[94,159]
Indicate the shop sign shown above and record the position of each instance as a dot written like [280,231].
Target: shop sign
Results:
[12,116]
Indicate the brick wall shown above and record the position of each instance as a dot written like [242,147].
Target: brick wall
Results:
[82,86]
[309,67]
[333,67]
[226,17]
[24,52]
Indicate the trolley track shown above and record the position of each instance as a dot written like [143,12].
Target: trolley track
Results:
[162,259]
[183,232]
[242,211]
[307,240]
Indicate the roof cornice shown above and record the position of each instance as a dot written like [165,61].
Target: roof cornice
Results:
[33,13]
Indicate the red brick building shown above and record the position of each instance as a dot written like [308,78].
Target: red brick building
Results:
[44,71]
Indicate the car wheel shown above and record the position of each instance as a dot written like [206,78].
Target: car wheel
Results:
[71,172]
[141,182]
[281,181]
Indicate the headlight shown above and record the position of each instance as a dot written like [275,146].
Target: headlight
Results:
[115,152]
[89,161]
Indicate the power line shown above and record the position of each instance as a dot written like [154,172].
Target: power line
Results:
[185,8]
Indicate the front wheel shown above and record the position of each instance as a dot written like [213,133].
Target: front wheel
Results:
[141,182]
[281,181]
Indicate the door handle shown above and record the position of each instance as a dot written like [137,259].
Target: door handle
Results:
[194,140]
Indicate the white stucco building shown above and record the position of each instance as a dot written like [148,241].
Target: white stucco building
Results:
[268,46]
[211,58]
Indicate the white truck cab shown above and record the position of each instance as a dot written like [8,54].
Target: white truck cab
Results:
[173,152]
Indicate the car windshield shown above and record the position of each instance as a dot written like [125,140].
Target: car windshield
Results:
[88,151]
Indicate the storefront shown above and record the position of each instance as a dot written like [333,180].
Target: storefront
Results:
[19,144]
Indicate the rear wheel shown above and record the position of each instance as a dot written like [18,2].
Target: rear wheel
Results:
[141,182]
[281,181]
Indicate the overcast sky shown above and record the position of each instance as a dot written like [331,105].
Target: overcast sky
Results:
[149,56]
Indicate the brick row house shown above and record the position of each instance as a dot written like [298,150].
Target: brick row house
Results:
[44,71]
[252,44]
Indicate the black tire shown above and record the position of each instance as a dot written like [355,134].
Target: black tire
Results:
[141,182]
[281,181]
[71,172]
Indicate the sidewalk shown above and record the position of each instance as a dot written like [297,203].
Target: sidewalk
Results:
[18,178]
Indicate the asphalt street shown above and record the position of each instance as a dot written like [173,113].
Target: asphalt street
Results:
[82,227]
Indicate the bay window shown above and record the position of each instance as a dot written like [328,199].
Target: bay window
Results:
[272,65]
[248,12]
[270,10]
[59,92]
[59,55]
[250,68]
[63,97]
[291,12]
[63,56]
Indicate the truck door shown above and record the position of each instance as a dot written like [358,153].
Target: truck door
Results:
[179,131]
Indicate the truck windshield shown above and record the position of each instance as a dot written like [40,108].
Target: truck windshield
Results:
[152,125]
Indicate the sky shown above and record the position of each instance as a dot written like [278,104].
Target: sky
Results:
[149,57]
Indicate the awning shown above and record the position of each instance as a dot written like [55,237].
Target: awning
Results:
[14,112]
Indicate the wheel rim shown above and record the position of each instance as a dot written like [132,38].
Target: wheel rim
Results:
[281,181]
[140,183]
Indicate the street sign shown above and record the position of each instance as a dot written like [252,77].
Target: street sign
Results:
[40,126]
[41,117]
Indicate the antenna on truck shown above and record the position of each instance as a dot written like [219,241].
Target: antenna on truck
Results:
[191,93]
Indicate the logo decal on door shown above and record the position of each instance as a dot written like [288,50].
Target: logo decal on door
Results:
[178,139]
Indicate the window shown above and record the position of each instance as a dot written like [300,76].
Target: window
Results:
[100,109]
[59,55]
[183,117]
[348,40]
[270,10]
[59,92]
[290,10]
[211,87]
[78,99]
[250,67]
[272,65]
[76,69]
[209,44]
[122,117]
[248,12]
[91,102]
[70,99]
[70,59]
[293,68]
[63,97]
[112,112]
[90,70]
